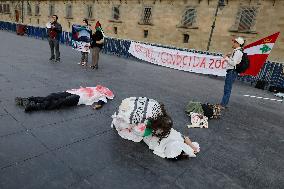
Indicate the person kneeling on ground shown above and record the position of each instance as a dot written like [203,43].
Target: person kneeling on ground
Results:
[141,118]
[95,96]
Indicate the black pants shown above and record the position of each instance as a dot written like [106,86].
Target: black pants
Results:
[54,44]
[52,101]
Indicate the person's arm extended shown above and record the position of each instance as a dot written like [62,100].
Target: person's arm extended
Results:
[236,59]
[188,142]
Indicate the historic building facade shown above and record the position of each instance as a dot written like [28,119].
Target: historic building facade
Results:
[180,23]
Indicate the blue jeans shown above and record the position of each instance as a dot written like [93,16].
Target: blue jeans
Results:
[230,78]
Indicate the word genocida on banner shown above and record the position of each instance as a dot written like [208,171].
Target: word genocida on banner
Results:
[181,60]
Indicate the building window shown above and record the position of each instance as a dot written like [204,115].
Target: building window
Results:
[51,9]
[68,11]
[1,10]
[38,21]
[6,8]
[115,30]
[29,9]
[222,2]
[147,15]
[146,33]
[115,13]
[245,19]
[185,38]
[37,10]
[189,17]
[89,11]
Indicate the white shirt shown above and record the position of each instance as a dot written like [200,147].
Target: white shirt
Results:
[234,59]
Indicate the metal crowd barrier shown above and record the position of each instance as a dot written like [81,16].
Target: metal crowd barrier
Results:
[272,72]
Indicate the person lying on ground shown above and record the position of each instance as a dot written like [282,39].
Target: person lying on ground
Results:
[141,118]
[94,96]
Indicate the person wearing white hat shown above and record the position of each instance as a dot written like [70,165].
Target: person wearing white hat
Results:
[232,60]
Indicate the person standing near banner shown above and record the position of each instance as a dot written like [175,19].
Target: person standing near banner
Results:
[54,30]
[232,60]
[84,57]
[97,42]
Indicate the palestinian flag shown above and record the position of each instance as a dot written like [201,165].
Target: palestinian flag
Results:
[258,52]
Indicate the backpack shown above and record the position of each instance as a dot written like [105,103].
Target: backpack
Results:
[244,64]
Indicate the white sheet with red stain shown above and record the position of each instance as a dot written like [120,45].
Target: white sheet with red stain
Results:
[90,95]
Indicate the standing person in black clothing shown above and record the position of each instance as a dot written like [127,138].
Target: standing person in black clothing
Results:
[97,45]
[54,30]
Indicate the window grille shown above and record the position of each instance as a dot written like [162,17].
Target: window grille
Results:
[37,9]
[189,17]
[245,19]
[147,15]
[51,9]
[8,8]
[115,13]
[29,9]
[69,11]
[89,11]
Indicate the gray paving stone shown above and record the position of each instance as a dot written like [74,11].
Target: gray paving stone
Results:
[126,174]
[91,156]
[61,134]
[8,125]
[42,172]
[18,147]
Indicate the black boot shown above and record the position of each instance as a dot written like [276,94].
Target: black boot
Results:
[21,101]
[18,101]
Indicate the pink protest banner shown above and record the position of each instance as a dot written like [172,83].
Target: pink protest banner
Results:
[179,60]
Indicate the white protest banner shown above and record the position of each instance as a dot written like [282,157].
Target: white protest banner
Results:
[180,60]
